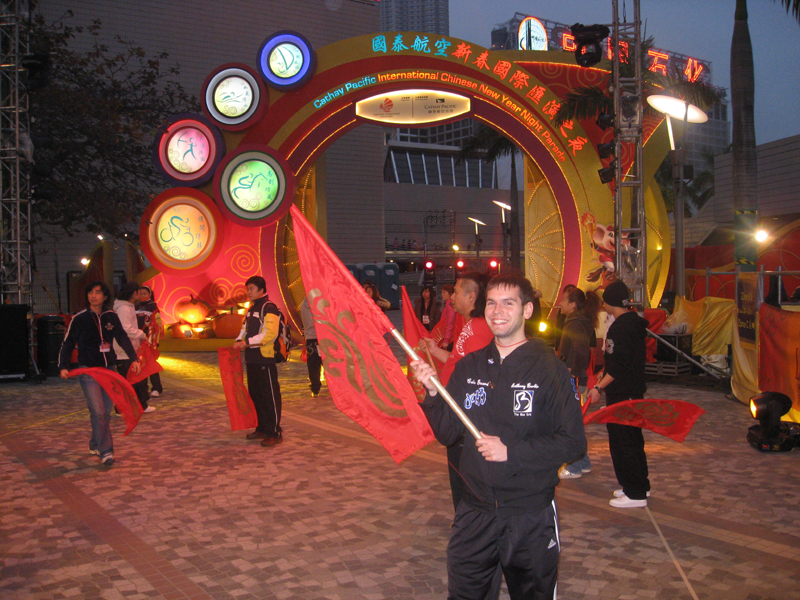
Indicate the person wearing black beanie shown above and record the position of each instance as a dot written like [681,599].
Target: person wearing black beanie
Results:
[622,380]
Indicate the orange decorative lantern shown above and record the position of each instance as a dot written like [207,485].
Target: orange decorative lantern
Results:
[185,331]
[228,325]
[192,311]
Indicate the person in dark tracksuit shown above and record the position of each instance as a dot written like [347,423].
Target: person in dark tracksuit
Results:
[521,399]
[260,328]
[622,380]
[313,358]
[93,330]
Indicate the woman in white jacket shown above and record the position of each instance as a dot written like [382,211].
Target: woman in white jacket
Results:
[126,311]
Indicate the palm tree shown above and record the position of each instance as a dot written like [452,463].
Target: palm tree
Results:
[589,102]
[696,193]
[743,150]
[489,145]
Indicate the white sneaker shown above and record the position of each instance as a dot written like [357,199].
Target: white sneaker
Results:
[154,394]
[564,473]
[149,409]
[620,493]
[625,502]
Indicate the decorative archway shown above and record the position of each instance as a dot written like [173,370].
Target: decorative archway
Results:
[515,92]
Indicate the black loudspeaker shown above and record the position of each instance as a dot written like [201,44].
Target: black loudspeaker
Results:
[14,340]
[50,331]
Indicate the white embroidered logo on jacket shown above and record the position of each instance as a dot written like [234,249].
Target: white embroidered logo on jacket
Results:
[523,403]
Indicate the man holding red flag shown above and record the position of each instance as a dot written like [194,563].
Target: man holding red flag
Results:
[521,399]
[624,380]
[260,328]
[469,300]
[93,331]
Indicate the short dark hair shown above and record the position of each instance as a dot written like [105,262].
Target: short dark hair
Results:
[257,281]
[478,283]
[513,280]
[128,289]
[103,288]
[450,288]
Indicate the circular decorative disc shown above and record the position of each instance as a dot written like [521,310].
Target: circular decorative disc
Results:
[286,60]
[180,230]
[234,96]
[253,184]
[188,150]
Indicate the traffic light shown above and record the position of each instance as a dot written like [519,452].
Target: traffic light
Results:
[429,276]
[461,267]
[493,267]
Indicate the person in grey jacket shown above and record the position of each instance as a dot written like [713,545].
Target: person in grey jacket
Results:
[575,350]
[126,311]
[313,359]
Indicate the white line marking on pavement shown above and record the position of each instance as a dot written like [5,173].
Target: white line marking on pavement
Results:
[671,555]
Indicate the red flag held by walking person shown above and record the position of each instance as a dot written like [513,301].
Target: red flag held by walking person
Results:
[414,331]
[362,373]
[148,365]
[672,418]
[119,390]
[240,406]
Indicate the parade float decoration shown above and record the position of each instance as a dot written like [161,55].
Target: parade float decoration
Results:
[240,165]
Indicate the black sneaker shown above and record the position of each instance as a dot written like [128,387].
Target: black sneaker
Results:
[107,460]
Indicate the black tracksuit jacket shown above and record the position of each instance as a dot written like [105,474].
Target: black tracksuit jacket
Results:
[530,403]
[625,357]
[84,332]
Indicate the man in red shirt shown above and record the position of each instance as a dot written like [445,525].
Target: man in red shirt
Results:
[469,301]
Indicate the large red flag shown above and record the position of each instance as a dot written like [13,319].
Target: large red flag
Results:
[119,390]
[148,365]
[240,406]
[672,418]
[414,331]
[363,376]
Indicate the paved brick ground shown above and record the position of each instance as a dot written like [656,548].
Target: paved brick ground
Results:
[192,510]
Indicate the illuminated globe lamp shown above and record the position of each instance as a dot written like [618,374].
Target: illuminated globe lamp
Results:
[188,149]
[675,108]
[234,97]
[772,435]
[254,186]
[286,60]
[181,229]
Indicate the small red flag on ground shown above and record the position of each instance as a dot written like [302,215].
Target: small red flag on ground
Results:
[672,418]
[240,406]
[119,390]
[414,331]
[362,373]
[148,365]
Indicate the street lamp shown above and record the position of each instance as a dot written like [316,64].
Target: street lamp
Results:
[505,227]
[675,108]
[477,239]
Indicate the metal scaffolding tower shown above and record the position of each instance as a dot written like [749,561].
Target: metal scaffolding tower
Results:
[630,227]
[15,193]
